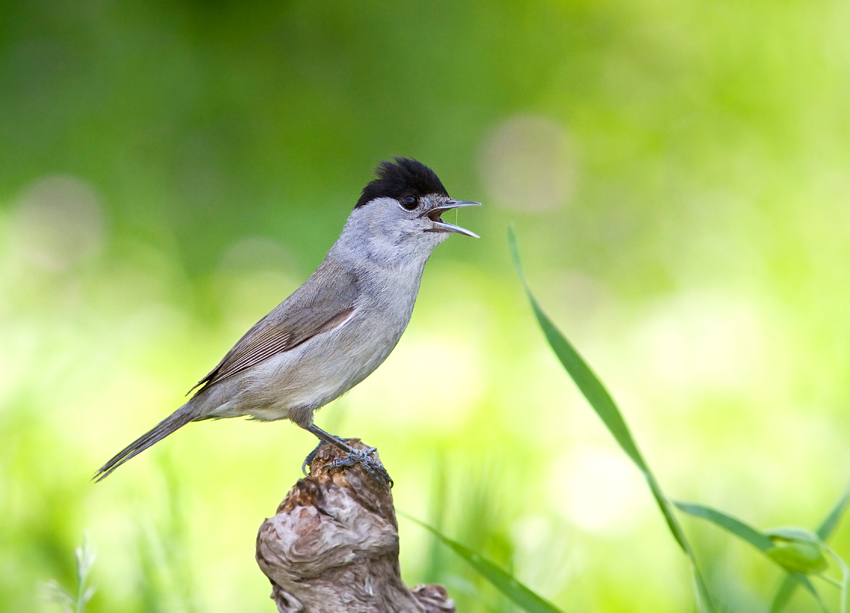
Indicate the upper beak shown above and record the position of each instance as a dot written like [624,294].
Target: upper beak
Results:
[442,226]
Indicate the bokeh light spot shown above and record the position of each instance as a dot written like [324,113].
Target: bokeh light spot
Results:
[528,163]
[600,489]
[57,222]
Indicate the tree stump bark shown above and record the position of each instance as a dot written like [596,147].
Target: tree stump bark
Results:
[332,546]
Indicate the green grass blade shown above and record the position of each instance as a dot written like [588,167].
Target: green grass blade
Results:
[588,383]
[845,577]
[824,531]
[735,526]
[502,580]
[789,584]
[605,407]
[757,539]
[664,504]
[829,524]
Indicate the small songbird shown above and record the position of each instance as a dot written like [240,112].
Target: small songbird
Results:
[339,326]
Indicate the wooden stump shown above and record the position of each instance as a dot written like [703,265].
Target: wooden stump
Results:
[332,546]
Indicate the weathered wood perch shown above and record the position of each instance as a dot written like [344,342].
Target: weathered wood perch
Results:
[332,546]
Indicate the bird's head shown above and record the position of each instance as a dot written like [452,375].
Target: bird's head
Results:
[400,211]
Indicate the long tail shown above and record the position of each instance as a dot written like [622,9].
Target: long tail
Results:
[173,422]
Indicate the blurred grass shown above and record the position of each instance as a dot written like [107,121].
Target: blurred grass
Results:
[606,409]
[170,171]
[503,581]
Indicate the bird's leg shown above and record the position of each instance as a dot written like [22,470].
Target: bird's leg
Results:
[337,442]
[354,456]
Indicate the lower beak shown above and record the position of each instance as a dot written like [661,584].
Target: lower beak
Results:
[442,226]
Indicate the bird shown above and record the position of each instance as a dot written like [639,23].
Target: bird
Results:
[335,329]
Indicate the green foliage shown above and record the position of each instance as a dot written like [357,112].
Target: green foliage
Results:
[824,531]
[798,551]
[603,404]
[505,582]
[757,539]
[74,601]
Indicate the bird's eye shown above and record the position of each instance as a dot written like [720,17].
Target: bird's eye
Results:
[409,202]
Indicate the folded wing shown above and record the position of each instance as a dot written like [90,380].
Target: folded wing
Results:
[305,314]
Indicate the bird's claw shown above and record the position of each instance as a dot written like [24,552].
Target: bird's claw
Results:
[308,461]
[374,468]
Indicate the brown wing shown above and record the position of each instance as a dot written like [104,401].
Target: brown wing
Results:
[324,301]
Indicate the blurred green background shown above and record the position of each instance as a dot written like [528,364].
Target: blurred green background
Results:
[679,177]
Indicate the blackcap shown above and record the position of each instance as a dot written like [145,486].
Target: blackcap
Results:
[339,326]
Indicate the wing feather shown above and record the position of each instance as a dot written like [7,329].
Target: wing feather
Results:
[323,303]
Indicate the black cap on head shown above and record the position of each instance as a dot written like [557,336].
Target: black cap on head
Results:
[404,177]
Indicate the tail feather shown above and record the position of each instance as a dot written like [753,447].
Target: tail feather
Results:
[173,422]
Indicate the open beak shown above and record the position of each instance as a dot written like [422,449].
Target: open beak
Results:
[442,226]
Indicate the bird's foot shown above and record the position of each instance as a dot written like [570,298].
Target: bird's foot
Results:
[354,456]
[373,467]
